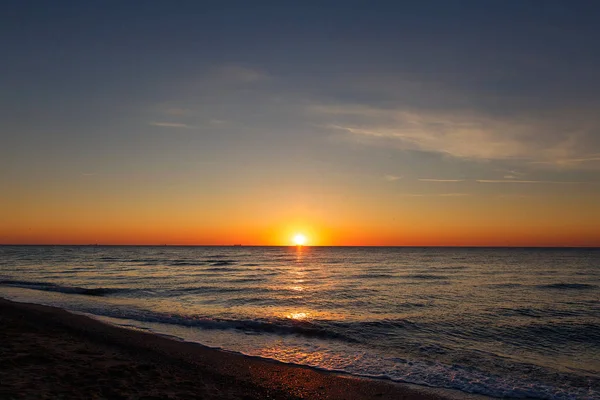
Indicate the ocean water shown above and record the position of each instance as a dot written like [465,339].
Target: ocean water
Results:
[500,322]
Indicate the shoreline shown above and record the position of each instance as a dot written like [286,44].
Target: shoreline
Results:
[49,352]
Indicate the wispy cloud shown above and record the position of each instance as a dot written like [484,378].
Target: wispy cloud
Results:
[528,181]
[571,161]
[513,196]
[454,194]
[178,111]
[506,180]
[512,174]
[169,124]
[241,74]
[441,180]
[435,195]
[392,178]
[471,135]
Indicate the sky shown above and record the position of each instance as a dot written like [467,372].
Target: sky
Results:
[430,123]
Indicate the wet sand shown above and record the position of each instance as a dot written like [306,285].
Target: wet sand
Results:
[49,353]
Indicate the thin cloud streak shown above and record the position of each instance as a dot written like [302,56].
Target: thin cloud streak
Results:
[536,182]
[237,73]
[571,161]
[454,194]
[169,125]
[178,111]
[392,178]
[441,180]
[436,195]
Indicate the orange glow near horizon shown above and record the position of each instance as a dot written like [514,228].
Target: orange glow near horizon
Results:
[400,236]
[263,221]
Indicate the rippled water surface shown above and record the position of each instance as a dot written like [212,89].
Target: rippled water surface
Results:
[502,322]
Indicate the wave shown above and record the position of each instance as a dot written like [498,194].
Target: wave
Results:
[109,259]
[281,326]
[52,287]
[552,334]
[148,261]
[247,280]
[210,289]
[181,263]
[469,380]
[386,323]
[223,263]
[506,285]
[372,276]
[558,286]
[216,268]
[450,268]
[568,286]
[104,291]
[537,312]
[536,332]
[427,276]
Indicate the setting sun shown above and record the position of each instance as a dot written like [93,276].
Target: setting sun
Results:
[299,239]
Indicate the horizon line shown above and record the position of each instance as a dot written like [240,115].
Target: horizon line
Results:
[293,245]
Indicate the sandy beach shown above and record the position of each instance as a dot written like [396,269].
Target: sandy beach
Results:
[49,353]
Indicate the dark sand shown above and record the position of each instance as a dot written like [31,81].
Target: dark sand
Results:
[48,353]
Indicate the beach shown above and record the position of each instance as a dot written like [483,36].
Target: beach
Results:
[47,352]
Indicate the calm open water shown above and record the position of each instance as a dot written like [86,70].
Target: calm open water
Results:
[501,322]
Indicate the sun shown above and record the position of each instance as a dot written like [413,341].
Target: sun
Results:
[299,239]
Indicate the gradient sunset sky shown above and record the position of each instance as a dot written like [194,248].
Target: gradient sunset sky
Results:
[352,122]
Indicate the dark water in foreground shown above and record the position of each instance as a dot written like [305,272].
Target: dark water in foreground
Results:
[501,322]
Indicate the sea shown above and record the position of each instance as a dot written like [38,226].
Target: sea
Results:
[502,322]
